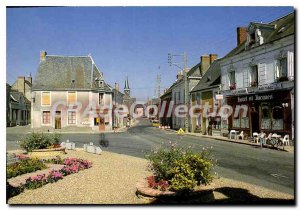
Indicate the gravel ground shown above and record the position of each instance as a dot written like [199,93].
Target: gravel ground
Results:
[113,178]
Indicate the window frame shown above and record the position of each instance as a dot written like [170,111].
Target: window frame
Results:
[43,123]
[68,117]
[49,98]
[68,97]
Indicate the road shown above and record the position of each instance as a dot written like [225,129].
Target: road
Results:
[264,167]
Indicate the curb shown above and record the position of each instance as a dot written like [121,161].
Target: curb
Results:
[237,142]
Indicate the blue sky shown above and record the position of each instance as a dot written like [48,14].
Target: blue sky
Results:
[131,41]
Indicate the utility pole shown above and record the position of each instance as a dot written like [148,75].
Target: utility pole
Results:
[158,80]
[186,85]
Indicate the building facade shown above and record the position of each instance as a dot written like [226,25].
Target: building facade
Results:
[70,91]
[206,93]
[259,73]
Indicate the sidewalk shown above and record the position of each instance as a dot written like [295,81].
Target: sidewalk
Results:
[221,138]
[28,129]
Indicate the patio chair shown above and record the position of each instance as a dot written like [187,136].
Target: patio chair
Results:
[241,135]
[232,132]
[255,137]
[286,139]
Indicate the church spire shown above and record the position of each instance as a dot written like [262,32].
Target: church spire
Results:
[126,84]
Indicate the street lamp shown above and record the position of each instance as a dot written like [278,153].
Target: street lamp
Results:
[186,88]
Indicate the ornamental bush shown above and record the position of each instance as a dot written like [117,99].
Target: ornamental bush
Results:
[181,168]
[39,141]
[24,166]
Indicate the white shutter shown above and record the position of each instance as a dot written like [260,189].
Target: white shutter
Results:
[276,69]
[290,60]
[245,78]
[261,73]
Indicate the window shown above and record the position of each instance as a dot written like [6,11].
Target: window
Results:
[72,99]
[46,99]
[46,117]
[254,76]
[236,121]
[71,117]
[266,117]
[231,77]
[277,122]
[283,67]
[101,95]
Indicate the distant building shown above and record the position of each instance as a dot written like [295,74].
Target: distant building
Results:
[63,90]
[18,105]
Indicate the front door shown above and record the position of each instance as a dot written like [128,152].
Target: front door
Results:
[58,120]
[102,124]
[255,120]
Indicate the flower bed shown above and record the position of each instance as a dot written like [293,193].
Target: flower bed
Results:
[25,165]
[47,153]
[71,166]
[177,171]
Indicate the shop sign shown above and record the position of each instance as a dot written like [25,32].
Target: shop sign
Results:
[250,98]
[219,97]
[270,87]
[239,91]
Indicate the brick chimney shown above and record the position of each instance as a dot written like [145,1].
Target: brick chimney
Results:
[21,84]
[241,35]
[205,63]
[212,57]
[117,87]
[29,78]
[43,55]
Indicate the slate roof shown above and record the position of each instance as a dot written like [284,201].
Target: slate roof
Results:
[285,26]
[210,78]
[68,73]
[16,97]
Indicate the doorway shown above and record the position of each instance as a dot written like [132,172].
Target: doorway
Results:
[255,120]
[102,124]
[57,120]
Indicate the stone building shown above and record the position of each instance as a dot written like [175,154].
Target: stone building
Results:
[18,105]
[70,91]
[259,73]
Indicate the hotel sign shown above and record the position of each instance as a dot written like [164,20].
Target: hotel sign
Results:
[256,97]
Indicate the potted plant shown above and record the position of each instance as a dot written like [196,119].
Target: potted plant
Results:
[232,86]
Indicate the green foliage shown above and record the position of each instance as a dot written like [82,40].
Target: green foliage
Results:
[39,141]
[23,167]
[182,168]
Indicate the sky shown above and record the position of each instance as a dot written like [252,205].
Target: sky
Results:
[133,41]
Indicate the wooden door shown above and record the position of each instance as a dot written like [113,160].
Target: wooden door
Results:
[102,124]
[58,120]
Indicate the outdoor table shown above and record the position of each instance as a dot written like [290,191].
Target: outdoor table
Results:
[275,139]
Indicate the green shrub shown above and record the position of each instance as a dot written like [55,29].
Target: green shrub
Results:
[39,141]
[23,167]
[182,168]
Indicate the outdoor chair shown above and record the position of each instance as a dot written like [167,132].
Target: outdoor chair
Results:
[232,132]
[241,135]
[255,137]
[286,139]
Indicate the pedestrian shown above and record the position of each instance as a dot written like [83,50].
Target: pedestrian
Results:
[261,138]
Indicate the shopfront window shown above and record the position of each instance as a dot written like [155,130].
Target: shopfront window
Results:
[216,123]
[245,122]
[277,123]
[236,121]
[266,117]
